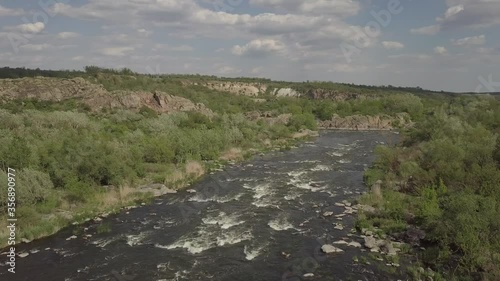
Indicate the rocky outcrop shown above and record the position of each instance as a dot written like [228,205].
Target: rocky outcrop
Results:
[238,88]
[363,122]
[160,102]
[322,94]
[95,96]
[48,89]
[286,92]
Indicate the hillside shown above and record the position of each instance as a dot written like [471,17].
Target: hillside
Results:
[90,142]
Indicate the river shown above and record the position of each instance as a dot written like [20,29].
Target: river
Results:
[262,219]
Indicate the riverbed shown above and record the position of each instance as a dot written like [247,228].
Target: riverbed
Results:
[263,219]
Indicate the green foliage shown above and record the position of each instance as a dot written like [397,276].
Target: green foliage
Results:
[449,166]
[325,110]
[303,121]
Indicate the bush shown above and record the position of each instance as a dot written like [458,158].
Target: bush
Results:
[302,121]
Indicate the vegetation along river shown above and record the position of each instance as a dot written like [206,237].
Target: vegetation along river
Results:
[264,219]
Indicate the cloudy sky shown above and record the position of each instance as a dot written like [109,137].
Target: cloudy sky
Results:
[435,44]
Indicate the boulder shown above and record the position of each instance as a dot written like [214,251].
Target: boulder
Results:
[156,189]
[372,243]
[330,249]
[327,214]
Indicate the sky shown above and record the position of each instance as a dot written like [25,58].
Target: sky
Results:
[451,45]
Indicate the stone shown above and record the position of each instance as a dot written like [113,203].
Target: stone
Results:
[156,189]
[339,204]
[354,244]
[338,226]
[191,191]
[24,240]
[367,209]
[23,255]
[329,249]
[340,242]
[34,251]
[327,214]
[389,249]
[371,242]
[376,189]
[71,237]
[308,275]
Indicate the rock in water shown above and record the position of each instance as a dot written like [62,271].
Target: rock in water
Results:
[327,214]
[308,275]
[370,242]
[329,249]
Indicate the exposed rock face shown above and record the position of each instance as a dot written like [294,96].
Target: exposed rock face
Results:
[286,92]
[319,94]
[48,89]
[95,96]
[158,101]
[239,88]
[362,122]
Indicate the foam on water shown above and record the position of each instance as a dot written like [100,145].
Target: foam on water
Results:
[101,243]
[336,154]
[251,252]
[208,238]
[223,220]
[262,190]
[133,240]
[280,223]
[308,186]
[233,237]
[219,199]
[344,161]
[320,168]
[296,174]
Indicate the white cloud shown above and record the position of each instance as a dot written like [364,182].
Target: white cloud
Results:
[340,8]
[116,51]
[67,35]
[167,47]
[426,30]
[259,47]
[469,13]
[440,50]
[393,45]
[6,12]
[452,11]
[470,41]
[36,47]
[36,27]
[144,32]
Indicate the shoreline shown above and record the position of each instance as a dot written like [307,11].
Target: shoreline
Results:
[141,197]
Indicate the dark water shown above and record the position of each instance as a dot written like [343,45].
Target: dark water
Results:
[239,225]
